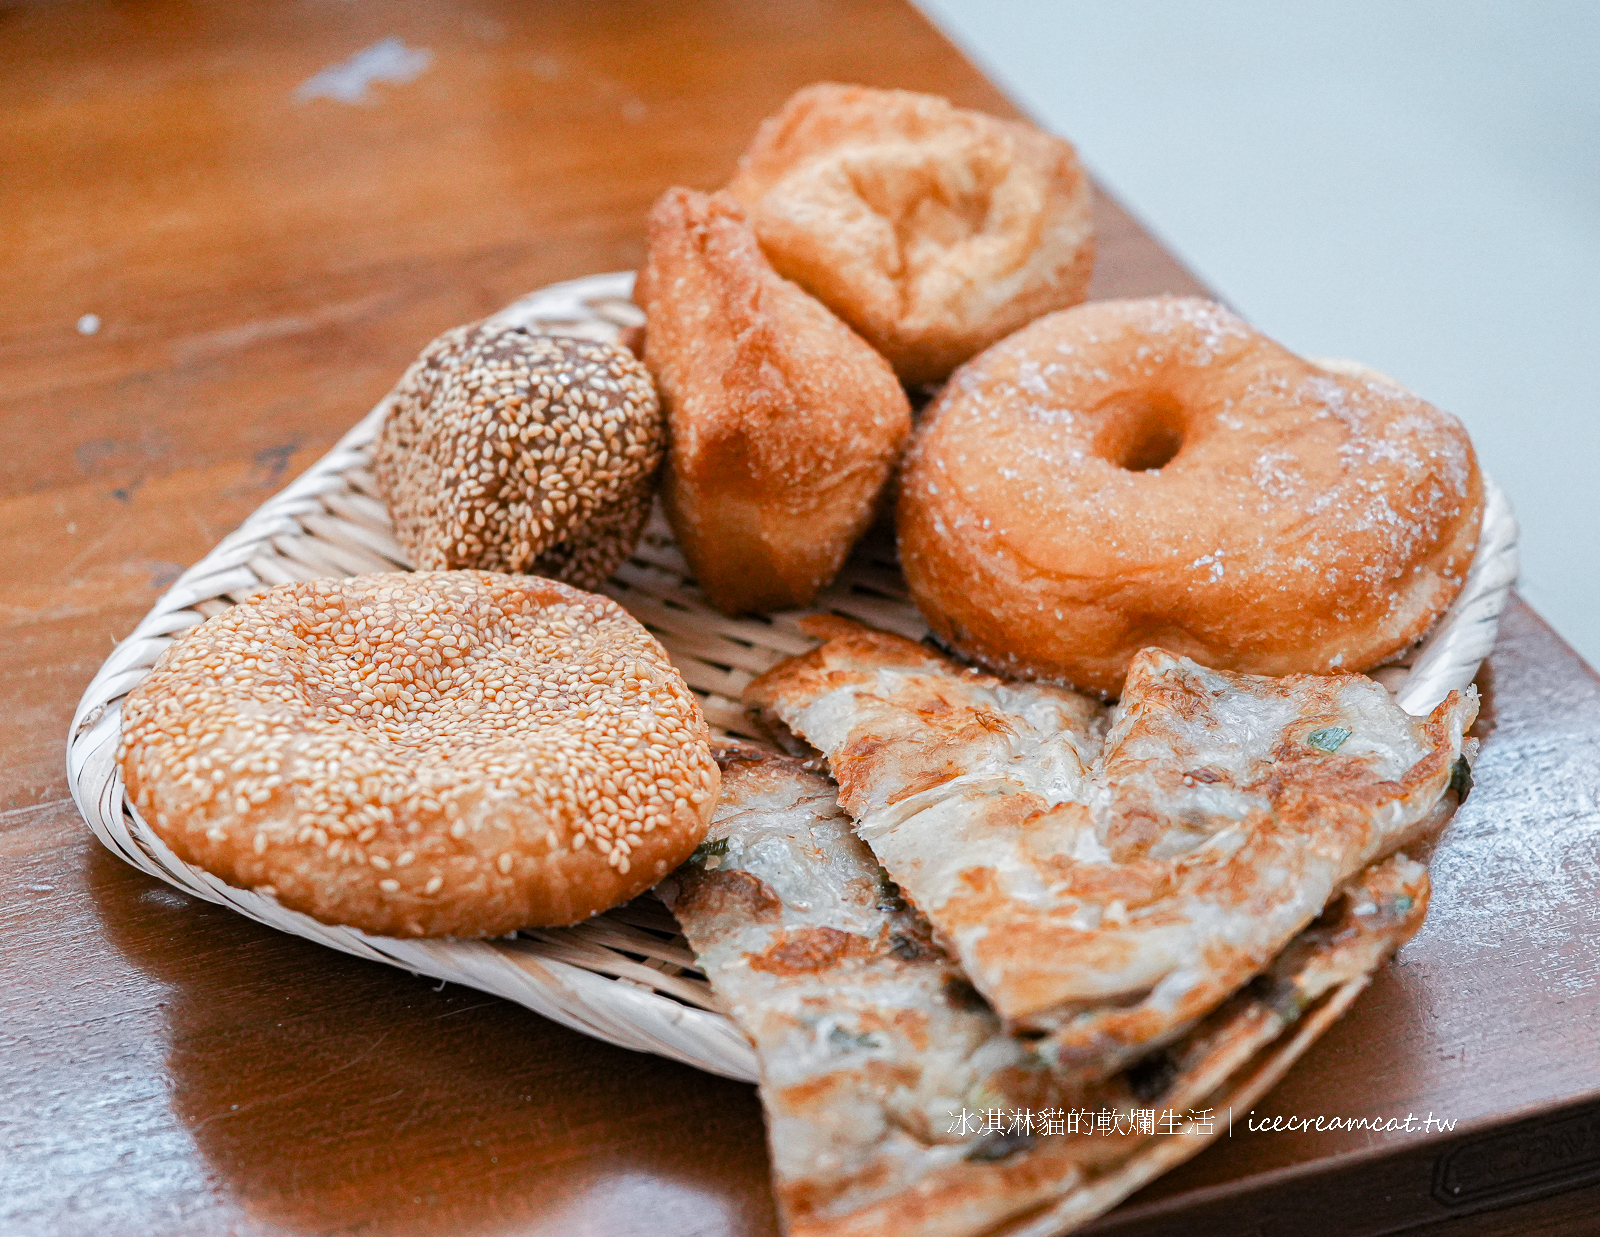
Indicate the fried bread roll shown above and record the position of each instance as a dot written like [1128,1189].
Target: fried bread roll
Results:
[782,425]
[1155,472]
[932,230]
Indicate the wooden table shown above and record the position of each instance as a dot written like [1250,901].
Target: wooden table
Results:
[263,266]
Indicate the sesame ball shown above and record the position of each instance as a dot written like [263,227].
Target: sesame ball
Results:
[511,450]
[423,754]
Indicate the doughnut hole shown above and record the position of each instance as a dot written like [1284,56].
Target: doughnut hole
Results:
[1143,434]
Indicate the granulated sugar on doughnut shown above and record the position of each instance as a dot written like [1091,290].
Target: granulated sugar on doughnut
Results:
[932,230]
[430,754]
[1155,472]
[509,450]
[783,425]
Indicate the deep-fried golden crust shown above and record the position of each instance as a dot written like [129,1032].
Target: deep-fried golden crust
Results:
[932,230]
[1308,521]
[783,426]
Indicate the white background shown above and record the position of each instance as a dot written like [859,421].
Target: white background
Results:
[1416,186]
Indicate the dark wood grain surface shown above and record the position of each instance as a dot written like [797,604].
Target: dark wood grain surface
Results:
[263,267]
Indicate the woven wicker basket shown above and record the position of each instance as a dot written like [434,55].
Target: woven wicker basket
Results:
[626,976]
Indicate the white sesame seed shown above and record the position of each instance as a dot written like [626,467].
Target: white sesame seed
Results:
[473,469]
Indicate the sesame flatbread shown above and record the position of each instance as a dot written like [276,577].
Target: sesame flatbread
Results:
[896,1101]
[1107,877]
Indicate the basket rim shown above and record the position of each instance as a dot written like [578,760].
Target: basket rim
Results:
[621,1010]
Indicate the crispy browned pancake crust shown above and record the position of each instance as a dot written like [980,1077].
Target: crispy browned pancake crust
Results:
[1111,887]
[871,1043]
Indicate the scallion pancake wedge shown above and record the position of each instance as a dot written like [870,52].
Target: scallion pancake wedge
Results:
[1107,877]
[882,1069]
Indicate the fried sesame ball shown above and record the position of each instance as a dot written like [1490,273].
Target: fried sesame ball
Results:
[432,754]
[510,450]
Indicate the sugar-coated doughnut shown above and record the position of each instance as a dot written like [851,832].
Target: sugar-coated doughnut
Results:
[430,754]
[783,426]
[932,230]
[1155,472]
[511,450]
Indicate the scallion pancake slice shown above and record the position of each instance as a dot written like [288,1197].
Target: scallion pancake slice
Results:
[896,1100]
[1107,877]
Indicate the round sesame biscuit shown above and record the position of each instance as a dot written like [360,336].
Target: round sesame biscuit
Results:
[432,754]
[511,450]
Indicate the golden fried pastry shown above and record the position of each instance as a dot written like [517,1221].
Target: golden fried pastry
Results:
[1155,472]
[932,230]
[511,450]
[440,753]
[782,425]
